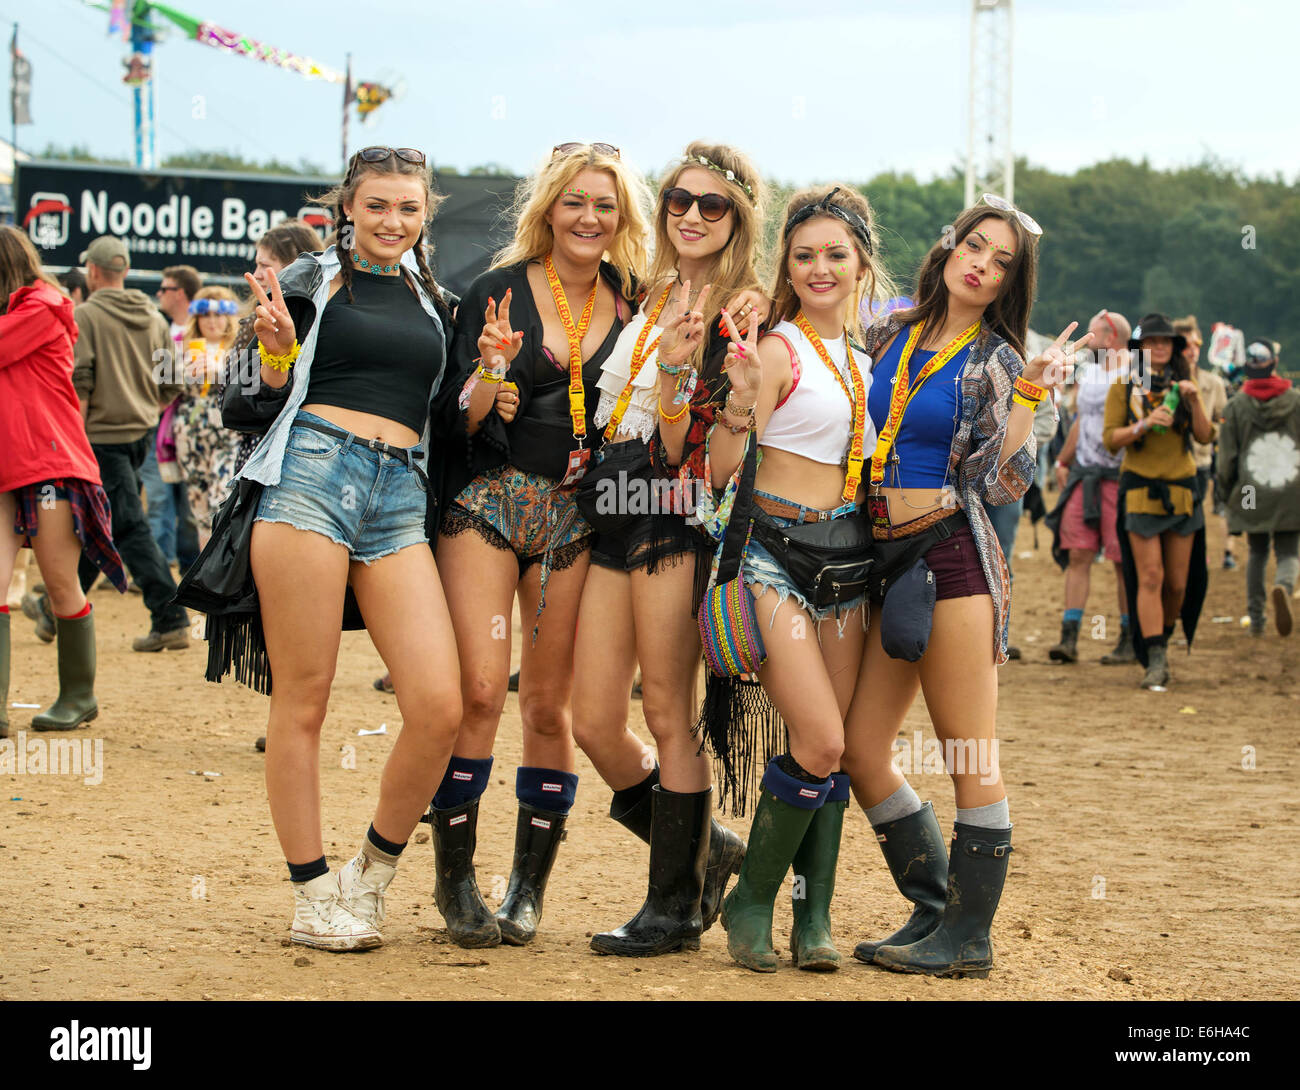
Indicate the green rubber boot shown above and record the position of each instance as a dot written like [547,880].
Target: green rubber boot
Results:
[4,674]
[774,838]
[76,703]
[814,862]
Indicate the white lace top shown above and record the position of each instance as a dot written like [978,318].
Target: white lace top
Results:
[641,417]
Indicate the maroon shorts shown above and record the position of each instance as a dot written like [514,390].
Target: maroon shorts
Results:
[956,566]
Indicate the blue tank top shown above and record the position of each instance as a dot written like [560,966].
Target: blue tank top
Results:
[924,442]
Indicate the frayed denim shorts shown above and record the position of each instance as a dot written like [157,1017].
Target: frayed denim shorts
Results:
[762,573]
[370,502]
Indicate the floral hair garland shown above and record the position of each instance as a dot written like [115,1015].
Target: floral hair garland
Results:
[730,175]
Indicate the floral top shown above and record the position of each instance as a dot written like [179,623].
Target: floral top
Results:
[992,366]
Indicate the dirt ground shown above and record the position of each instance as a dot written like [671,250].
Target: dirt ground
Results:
[1149,862]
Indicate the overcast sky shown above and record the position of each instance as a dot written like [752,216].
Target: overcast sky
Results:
[857,88]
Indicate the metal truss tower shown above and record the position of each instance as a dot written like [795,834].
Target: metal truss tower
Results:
[990,164]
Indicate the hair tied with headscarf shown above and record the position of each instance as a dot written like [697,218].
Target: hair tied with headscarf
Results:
[825,207]
[205,307]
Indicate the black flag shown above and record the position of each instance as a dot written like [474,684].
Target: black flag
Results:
[20,84]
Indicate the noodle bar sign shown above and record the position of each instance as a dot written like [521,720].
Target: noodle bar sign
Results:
[208,219]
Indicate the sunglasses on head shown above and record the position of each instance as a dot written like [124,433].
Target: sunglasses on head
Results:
[572,146]
[1003,205]
[377,154]
[713,206]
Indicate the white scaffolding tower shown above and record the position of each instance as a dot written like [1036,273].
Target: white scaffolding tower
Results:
[990,164]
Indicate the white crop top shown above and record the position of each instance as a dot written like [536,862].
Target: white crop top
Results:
[640,420]
[815,419]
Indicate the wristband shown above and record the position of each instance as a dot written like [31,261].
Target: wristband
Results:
[1031,392]
[490,376]
[279,363]
[668,370]
[673,419]
[1020,399]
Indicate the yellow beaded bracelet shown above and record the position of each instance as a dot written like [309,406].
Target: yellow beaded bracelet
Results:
[279,363]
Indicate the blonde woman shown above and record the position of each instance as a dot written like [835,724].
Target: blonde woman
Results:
[205,449]
[531,336]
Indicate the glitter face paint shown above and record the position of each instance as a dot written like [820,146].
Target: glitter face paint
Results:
[583,195]
[804,260]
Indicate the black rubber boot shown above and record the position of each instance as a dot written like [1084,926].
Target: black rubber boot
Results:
[1123,653]
[670,919]
[4,675]
[960,945]
[1157,667]
[537,839]
[470,923]
[726,850]
[918,859]
[76,703]
[1068,649]
[815,861]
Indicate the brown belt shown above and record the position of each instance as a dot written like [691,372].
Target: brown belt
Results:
[909,529]
[791,511]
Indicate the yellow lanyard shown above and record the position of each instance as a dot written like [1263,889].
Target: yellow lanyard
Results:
[857,400]
[639,355]
[577,399]
[901,395]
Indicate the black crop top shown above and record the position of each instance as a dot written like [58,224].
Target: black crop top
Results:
[379,354]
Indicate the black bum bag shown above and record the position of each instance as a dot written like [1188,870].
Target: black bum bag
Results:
[830,562]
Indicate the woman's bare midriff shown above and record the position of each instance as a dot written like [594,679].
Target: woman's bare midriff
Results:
[906,504]
[801,480]
[366,425]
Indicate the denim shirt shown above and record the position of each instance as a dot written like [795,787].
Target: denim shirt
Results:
[264,464]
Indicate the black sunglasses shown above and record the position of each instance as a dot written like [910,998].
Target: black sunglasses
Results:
[377,154]
[713,206]
[572,146]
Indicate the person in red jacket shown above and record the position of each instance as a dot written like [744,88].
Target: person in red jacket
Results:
[51,495]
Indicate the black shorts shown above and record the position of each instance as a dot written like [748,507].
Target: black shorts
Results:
[647,542]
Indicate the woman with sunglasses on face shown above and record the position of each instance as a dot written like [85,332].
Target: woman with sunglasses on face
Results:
[803,391]
[354,340]
[533,333]
[643,588]
[954,405]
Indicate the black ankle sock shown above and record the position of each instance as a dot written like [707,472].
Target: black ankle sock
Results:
[305,872]
[383,845]
[1158,641]
[1169,631]
[794,769]
[628,798]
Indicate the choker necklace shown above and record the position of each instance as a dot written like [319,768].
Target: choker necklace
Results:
[370,267]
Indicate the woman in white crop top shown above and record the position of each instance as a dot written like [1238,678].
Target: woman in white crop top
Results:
[641,593]
[803,390]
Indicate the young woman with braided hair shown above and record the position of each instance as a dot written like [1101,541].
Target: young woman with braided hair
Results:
[532,334]
[659,390]
[354,342]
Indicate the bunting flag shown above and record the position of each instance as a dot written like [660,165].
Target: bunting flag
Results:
[20,84]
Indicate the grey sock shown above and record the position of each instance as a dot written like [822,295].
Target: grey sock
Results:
[993,816]
[900,804]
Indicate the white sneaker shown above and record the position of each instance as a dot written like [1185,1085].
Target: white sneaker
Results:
[319,920]
[361,888]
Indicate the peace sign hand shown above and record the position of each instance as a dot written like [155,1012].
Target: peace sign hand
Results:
[272,324]
[684,332]
[1053,366]
[744,368]
[498,342]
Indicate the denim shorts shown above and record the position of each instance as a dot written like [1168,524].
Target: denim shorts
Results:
[368,501]
[762,572]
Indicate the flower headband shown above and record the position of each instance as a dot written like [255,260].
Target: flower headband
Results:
[203,307]
[824,207]
[730,175]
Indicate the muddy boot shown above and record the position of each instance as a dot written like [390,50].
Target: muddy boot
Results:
[1282,608]
[4,674]
[76,703]
[815,861]
[455,834]
[537,840]
[670,918]
[786,808]
[918,859]
[726,849]
[1068,649]
[36,605]
[1157,667]
[960,945]
[1123,653]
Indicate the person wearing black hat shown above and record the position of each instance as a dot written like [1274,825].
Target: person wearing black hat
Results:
[1153,418]
[1259,466]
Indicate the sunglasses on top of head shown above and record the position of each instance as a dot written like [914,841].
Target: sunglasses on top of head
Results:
[713,206]
[377,154]
[573,145]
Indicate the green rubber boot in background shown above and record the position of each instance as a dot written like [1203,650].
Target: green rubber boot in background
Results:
[76,703]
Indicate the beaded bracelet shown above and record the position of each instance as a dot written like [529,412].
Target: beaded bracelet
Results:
[748,425]
[673,419]
[279,363]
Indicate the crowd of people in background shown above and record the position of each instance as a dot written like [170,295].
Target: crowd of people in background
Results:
[467,425]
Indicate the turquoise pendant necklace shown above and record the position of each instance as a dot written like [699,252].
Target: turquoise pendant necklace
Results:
[377,270]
